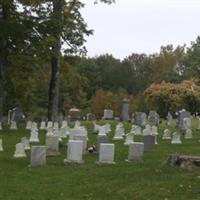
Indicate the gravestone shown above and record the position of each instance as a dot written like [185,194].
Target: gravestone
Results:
[82,138]
[188,134]
[19,151]
[129,139]
[182,114]
[169,119]
[140,119]
[198,127]
[136,151]
[52,144]
[119,133]
[147,130]
[34,136]
[176,138]
[137,130]
[102,130]
[28,125]
[74,152]
[149,142]
[166,135]
[49,124]
[106,153]
[125,110]
[154,118]
[0,126]
[77,124]
[13,125]
[43,125]
[108,114]
[74,114]
[101,139]
[38,156]
[49,131]
[1,144]
[26,143]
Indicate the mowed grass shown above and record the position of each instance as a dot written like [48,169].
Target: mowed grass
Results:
[150,179]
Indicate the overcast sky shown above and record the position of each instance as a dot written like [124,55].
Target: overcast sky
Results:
[140,26]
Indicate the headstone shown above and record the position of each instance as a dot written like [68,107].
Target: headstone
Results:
[43,125]
[19,152]
[49,124]
[108,114]
[137,130]
[0,126]
[140,119]
[82,138]
[176,138]
[119,133]
[28,125]
[188,134]
[166,135]
[125,111]
[186,123]
[74,114]
[129,139]
[154,118]
[147,130]
[102,130]
[1,144]
[38,156]
[169,119]
[13,125]
[154,131]
[49,131]
[34,136]
[106,153]
[52,144]
[136,151]
[77,124]
[55,125]
[101,139]
[149,142]
[181,115]
[74,152]
[198,127]
[26,143]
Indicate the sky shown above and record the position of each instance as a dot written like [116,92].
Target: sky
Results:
[140,26]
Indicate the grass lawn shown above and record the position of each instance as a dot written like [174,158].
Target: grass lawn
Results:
[146,180]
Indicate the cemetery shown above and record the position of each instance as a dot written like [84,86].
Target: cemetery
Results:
[99,100]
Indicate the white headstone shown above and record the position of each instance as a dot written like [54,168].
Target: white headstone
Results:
[129,139]
[176,138]
[1,126]
[43,125]
[119,132]
[1,144]
[106,153]
[52,144]
[188,134]
[49,124]
[34,136]
[74,152]
[77,124]
[26,143]
[28,125]
[82,138]
[136,151]
[19,152]
[13,125]
[166,135]
[49,131]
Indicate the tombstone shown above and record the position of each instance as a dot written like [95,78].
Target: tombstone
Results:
[74,114]
[74,152]
[166,135]
[34,136]
[136,151]
[198,127]
[154,131]
[119,133]
[147,130]
[154,118]
[102,131]
[13,125]
[34,126]
[186,123]
[137,130]
[96,127]
[49,131]
[188,134]
[52,144]
[82,138]
[43,125]
[125,111]
[108,114]
[176,138]
[101,139]
[149,142]
[0,126]
[140,119]
[169,119]
[181,115]
[28,125]
[16,114]
[77,124]
[1,144]
[38,156]
[49,124]
[129,139]
[19,152]
[55,125]
[64,131]
[26,143]
[106,153]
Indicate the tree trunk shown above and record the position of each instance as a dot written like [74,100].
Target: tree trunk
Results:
[3,57]
[55,61]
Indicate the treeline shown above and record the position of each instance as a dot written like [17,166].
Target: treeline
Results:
[93,84]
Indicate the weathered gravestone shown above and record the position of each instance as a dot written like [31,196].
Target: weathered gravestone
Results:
[19,152]
[180,120]
[13,125]
[166,135]
[169,119]
[188,134]
[38,156]
[28,125]
[101,139]
[154,118]
[129,139]
[106,153]
[140,119]
[136,151]
[149,142]
[74,152]
[26,143]
[52,144]
[176,138]
[108,114]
